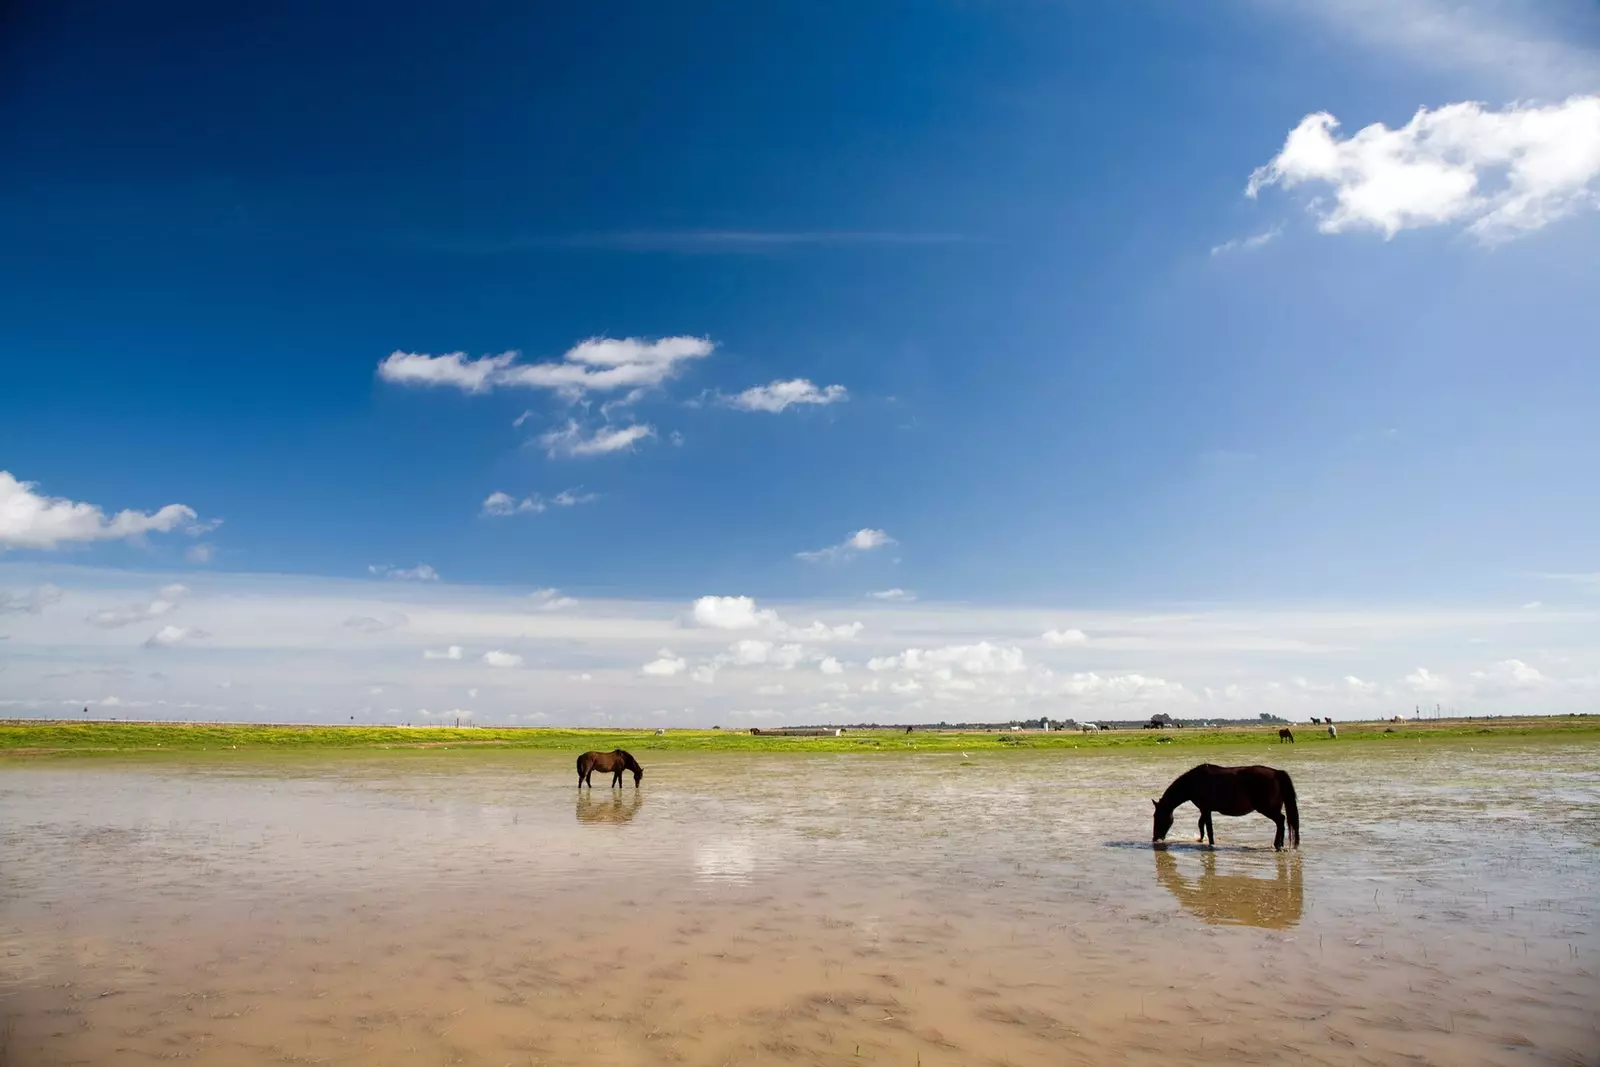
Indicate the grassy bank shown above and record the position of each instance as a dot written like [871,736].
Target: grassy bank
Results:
[23,739]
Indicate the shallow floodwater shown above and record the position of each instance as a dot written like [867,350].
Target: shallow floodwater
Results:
[474,908]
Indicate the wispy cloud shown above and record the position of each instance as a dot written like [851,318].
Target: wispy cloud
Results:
[573,440]
[1515,47]
[780,395]
[420,573]
[1248,244]
[864,540]
[600,364]
[499,505]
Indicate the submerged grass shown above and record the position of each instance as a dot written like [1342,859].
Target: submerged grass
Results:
[20,739]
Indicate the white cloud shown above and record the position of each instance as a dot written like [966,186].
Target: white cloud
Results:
[1358,687]
[501,659]
[829,665]
[573,441]
[201,553]
[776,396]
[863,540]
[665,665]
[468,375]
[894,594]
[1423,680]
[164,602]
[420,573]
[1248,244]
[732,613]
[32,602]
[500,504]
[1503,173]
[552,600]
[1064,637]
[598,365]
[980,658]
[453,652]
[30,520]
[173,636]
[1510,674]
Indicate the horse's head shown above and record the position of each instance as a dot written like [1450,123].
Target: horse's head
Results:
[1163,822]
[632,765]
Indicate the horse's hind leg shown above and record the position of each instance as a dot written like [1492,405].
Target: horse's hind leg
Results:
[1277,819]
[1202,837]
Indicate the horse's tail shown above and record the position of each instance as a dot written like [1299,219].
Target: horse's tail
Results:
[1286,787]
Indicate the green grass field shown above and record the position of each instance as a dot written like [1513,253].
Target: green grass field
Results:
[21,739]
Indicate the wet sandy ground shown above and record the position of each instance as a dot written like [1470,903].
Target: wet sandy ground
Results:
[470,908]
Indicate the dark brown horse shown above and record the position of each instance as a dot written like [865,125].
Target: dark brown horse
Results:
[616,761]
[1285,734]
[1230,791]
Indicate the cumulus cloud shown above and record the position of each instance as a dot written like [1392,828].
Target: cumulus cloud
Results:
[572,440]
[779,395]
[829,665]
[893,594]
[173,636]
[501,659]
[863,540]
[1064,637]
[453,652]
[741,613]
[665,665]
[31,520]
[31,602]
[420,573]
[980,658]
[732,613]
[1501,173]
[164,602]
[602,365]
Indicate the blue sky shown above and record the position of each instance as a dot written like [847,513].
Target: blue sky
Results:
[978,285]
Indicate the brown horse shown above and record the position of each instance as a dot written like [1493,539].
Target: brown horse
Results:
[1230,791]
[1285,734]
[616,761]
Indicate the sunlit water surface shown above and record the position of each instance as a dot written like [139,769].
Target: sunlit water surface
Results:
[474,908]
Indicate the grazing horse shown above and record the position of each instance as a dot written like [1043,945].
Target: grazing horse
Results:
[1285,734]
[1230,791]
[616,761]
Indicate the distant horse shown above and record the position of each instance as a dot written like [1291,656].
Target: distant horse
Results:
[616,761]
[1333,731]
[1285,734]
[1315,721]
[1231,791]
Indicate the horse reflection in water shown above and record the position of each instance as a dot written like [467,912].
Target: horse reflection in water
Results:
[620,808]
[1236,899]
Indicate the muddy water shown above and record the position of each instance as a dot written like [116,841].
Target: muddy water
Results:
[468,908]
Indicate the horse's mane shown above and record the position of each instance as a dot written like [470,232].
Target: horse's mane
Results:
[1180,783]
[627,759]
